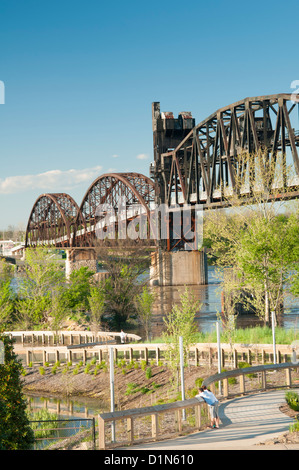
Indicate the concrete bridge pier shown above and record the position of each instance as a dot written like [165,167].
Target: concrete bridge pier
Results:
[179,268]
[78,257]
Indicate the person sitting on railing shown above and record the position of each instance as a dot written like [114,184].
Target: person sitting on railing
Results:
[212,403]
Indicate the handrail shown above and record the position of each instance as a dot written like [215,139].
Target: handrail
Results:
[224,376]
[155,411]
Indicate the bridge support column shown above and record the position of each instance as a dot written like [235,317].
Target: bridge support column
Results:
[78,257]
[179,268]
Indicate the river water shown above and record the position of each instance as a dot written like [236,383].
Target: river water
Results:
[210,298]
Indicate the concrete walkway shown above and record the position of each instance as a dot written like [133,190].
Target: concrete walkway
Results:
[245,422]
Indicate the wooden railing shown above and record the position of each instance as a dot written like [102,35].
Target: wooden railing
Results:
[198,406]
[66,337]
[127,431]
[43,342]
[246,372]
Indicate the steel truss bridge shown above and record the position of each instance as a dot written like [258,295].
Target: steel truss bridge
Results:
[193,164]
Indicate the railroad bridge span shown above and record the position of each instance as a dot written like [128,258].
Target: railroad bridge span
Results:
[196,167]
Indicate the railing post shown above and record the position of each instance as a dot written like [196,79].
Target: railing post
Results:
[235,358]
[101,433]
[44,357]
[130,429]
[198,416]
[28,353]
[242,383]
[225,387]
[130,354]
[288,377]
[263,356]
[146,355]
[264,381]
[157,355]
[210,357]
[179,420]
[155,427]
[249,356]
[222,357]
[196,356]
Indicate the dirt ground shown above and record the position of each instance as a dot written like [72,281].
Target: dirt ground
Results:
[144,392]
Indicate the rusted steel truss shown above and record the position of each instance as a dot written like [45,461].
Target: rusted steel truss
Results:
[207,161]
[51,221]
[119,197]
[193,164]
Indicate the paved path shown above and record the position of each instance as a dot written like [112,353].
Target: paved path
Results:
[245,421]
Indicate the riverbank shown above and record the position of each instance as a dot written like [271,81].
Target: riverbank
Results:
[133,387]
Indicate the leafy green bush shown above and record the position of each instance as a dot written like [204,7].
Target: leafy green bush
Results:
[132,388]
[148,373]
[294,427]
[198,382]
[292,399]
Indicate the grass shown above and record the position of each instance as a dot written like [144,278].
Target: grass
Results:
[251,335]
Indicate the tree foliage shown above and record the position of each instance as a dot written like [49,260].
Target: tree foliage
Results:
[15,432]
[180,322]
[144,304]
[257,242]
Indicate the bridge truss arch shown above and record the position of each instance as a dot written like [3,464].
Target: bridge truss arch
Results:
[206,162]
[112,197]
[51,221]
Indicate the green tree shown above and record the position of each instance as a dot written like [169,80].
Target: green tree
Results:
[7,300]
[180,322]
[97,306]
[77,291]
[15,431]
[144,304]
[42,275]
[120,290]
[7,295]
[267,250]
[256,242]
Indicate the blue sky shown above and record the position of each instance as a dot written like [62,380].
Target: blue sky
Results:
[80,78]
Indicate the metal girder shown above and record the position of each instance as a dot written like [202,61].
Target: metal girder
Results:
[193,164]
[137,190]
[51,221]
[207,161]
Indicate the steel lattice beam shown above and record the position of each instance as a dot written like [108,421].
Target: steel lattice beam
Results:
[206,162]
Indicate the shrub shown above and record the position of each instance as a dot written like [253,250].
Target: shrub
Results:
[198,382]
[294,427]
[41,371]
[148,373]
[292,399]
[15,431]
[132,388]
[192,392]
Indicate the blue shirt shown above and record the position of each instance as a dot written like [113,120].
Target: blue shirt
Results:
[208,397]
